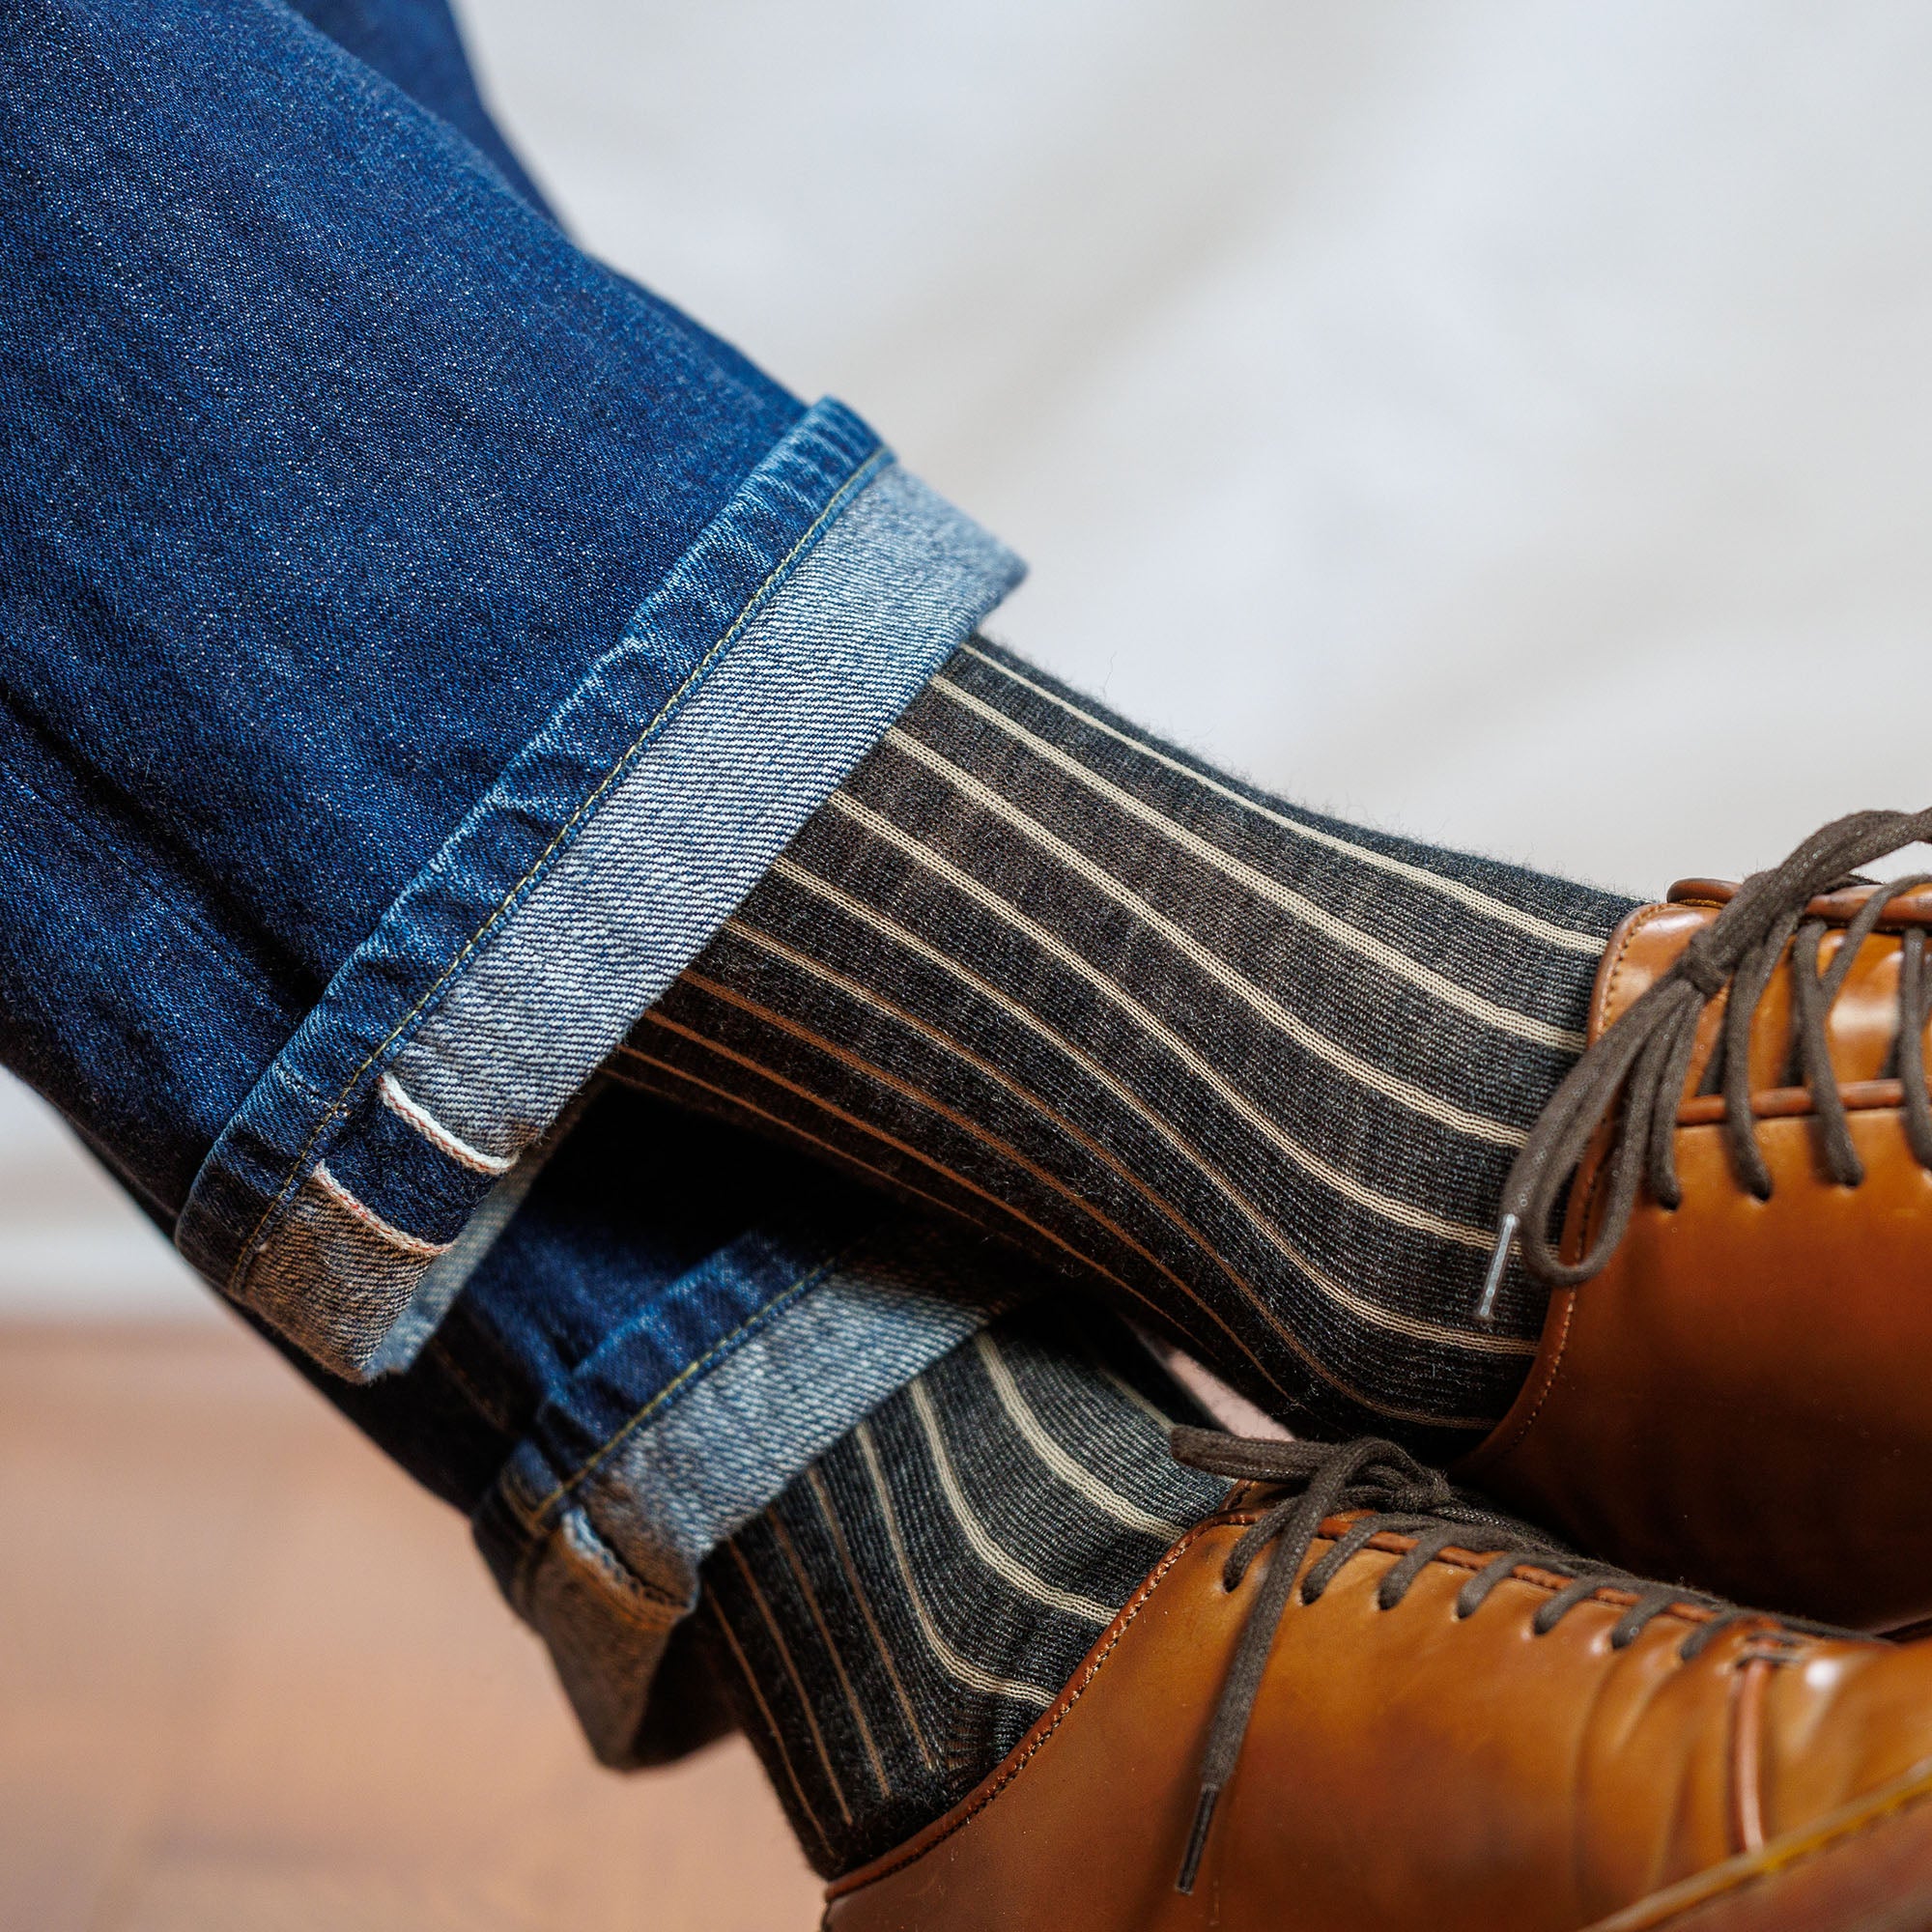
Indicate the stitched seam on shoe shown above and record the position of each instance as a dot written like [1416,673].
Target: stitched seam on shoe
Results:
[1604,1003]
[615,1440]
[1856,1097]
[1767,1867]
[1472,1562]
[1058,1714]
[1549,1381]
[1076,1691]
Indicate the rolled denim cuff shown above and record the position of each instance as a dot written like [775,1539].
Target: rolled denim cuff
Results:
[685,1423]
[347,1198]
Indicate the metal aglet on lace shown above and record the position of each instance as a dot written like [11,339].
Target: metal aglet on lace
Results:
[1486,1306]
[1197,1838]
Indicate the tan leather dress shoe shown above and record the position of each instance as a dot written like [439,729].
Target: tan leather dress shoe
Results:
[1414,1730]
[1735,1378]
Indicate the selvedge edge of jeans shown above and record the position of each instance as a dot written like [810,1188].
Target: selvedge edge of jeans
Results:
[816,604]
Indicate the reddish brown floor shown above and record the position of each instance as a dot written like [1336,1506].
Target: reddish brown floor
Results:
[252,1680]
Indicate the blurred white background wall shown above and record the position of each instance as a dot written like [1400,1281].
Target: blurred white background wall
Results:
[1501,419]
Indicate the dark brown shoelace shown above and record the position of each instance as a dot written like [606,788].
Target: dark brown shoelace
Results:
[1401,1497]
[1645,1057]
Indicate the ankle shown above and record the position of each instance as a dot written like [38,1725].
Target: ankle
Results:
[893,1624]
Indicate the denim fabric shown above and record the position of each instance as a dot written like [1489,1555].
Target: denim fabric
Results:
[667,1437]
[415,43]
[418,637]
[609,851]
[331,469]
[466,523]
[675,1323]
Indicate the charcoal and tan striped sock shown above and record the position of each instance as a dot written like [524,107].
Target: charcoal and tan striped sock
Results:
[1254,1073]
[891,1625]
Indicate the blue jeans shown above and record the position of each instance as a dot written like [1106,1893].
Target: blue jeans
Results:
[418,637]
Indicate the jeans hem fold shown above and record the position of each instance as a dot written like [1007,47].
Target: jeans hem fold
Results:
[341,1202]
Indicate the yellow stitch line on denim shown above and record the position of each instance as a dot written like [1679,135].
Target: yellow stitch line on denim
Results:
[252,1246]
[678,1382]
[413,1244]
[852,483]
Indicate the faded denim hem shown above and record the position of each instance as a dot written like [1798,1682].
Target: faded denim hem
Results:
[598,1524]
[435,1068]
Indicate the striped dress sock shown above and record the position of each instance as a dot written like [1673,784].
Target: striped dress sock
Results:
[891,1625]
[1254,1073]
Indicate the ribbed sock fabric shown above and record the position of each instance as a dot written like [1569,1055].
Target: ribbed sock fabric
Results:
[891,1625]
[1254,1073]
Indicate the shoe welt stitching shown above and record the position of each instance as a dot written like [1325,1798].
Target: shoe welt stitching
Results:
[1915,1788]
[1046,1724]
[1604,1003]
[1050,1720]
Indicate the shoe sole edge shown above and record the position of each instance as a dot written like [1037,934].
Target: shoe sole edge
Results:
[1865,1867]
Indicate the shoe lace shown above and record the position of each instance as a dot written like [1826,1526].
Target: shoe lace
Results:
[1645,1057]
[1402,1497]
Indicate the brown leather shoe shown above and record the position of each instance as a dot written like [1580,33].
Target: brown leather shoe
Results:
[1735,1381]
[1430,1733]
